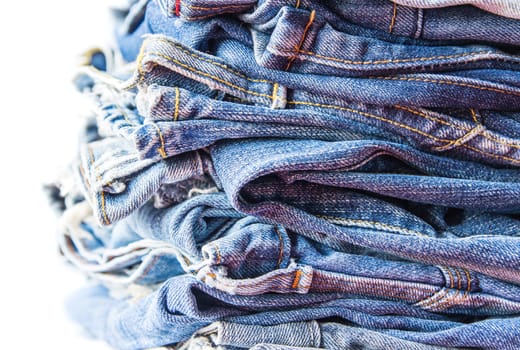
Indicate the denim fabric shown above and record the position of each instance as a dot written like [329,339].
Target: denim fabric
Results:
[388,20]
[281,180]
[507,8]
[252,81]
[298,175]
[181,306]
[297,335]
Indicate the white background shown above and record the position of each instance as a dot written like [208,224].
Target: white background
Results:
[39,116]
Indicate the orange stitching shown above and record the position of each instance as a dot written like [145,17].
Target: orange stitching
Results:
[297,4]
[239,74]
[280,253]
[461,140]
[217,251]
[212,275]
[302,39]
[297,278]
[437,297]
[161,150]
[460,127]
[103,210]
[210,76]
[468,276]
[275,92]
[337,107]
[402,60]
[474,115]
[394,16]
[176,113]
[404,127]
[447,82]
[213,8]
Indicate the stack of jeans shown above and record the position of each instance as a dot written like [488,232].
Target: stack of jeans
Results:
[300,174]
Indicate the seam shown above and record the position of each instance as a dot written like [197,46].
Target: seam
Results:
[438,297]
[476,150]
[468,286]
[201,8]
[210,76]
[85,178]
[161,150]
[176,111]
[450,301]
[376,224]
[302,39]
[401,60]
[477,130]
[460,127]
[394,16]
[513,160]
[275,93]
[281,247]
[297,278]
[218,64]
[447,82]
[474,115]
[102,194]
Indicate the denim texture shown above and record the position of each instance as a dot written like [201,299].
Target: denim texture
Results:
[297,175]
[507,8]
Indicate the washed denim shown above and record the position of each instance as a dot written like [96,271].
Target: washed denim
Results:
[356,17]
[297,335]
[254,82]
[182,306]
[247,257]
[281,180]
[298,175]
[507,8]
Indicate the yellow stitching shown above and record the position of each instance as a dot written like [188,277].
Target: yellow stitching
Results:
[161,150]
[438,297]
[280,253]
[434,299]
[337,107]
[297,4]
[275,92]
[213,8]
[210,76]
[302,39]
[217,251]
[394,16]
[176,113]
[474,115]
[239,74]
[401,125]
[346,222]
[212,275]
[468,276]
[461,140]
[447,82]
[297,278]
[459,279]
[103,210]
[402,60]
[460,127]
